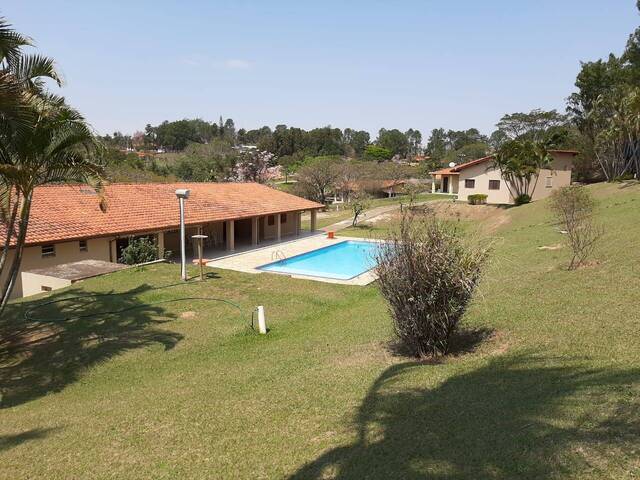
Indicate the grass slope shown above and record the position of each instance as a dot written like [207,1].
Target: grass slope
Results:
[184,390]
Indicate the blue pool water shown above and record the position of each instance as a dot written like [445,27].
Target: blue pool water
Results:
[341,261]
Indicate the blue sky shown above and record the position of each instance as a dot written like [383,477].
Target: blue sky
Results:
[359,64]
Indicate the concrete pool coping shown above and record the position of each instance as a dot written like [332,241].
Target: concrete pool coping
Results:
[249,261]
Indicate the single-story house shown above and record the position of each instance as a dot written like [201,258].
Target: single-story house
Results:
[70,223]
[480,177]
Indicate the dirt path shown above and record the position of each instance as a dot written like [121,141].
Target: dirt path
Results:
[369,215]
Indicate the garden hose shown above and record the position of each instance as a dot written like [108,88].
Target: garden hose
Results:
[29,313]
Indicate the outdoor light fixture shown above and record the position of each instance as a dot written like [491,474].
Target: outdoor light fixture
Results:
[182,194]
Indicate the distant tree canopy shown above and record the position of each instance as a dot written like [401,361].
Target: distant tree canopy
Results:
[393,140]
[456,145]
[606,111]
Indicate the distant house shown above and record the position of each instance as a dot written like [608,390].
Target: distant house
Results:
[480,177]
[67,222]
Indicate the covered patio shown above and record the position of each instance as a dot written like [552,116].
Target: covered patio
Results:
[242,234]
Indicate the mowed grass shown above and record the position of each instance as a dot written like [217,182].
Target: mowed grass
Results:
[545,381]
[333,215]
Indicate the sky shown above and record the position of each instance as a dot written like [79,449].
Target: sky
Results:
[366,65]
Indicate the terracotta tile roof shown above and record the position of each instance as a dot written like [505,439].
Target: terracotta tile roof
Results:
[455,170]
[67,212]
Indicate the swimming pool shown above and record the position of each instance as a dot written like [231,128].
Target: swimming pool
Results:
[341,261]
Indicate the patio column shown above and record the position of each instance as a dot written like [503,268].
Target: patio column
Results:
[278,228]
[298,219]
[113,253]
[231,244]
[314,220]
[160,244]
[254,231]
[433,184]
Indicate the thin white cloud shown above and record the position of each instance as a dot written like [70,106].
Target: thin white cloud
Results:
[236,64]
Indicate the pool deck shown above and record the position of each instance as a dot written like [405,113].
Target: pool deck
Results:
[249,260]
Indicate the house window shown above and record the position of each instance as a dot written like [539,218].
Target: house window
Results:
[469,183]
[48,250]
[83,246]
[548,182]
[44,288]
[271,220]
[283,218]
[494,184]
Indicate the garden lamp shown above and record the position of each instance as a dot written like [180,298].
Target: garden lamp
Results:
[182,194]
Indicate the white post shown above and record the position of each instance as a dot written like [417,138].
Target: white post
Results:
[183,253]
[433,184]
[262,323]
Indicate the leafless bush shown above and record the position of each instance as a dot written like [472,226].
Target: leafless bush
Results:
[427,273]
[360,201]
[573,206]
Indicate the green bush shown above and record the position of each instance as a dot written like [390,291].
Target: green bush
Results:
[477,199]
[522,199]
[139,250]
[427,273]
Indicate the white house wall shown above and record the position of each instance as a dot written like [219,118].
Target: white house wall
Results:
[559,175]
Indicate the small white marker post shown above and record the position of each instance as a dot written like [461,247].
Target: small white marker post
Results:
[262,323]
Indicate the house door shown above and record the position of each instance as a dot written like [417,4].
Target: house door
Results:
[121,244]
[445,184]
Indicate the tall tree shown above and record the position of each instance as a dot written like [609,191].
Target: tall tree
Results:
[393,140]
[41,141]
[437,144]
[318,176]
[534,125]
[58,146]
[414,137]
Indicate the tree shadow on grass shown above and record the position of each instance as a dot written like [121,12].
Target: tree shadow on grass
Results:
[508,419]
[45,344]
[8,442]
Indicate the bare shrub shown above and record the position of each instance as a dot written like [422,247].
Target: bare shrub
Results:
[573,207]
[427,273]
[360,201]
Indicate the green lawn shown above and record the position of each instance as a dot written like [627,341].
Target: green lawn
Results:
[545,383]
[333,216]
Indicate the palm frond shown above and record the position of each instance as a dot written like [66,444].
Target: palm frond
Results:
[32,69]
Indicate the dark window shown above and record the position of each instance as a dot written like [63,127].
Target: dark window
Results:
[469,183]
[494,184]
[44,288]
[283,218]
[83,246]
[549,182]
[271,220]
[48,250]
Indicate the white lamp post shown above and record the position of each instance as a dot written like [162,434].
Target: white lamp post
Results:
[182,194]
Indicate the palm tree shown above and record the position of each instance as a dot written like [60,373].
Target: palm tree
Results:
[42,140]
[519,162]
[22,77]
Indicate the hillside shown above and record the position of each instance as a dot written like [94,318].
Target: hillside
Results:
[544,384]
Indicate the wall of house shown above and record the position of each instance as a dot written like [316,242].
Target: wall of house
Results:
[287,227]
[550,179]
[33,283]
[482,174]
[66,252]
[558,177]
